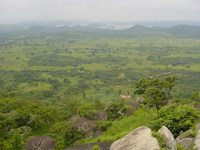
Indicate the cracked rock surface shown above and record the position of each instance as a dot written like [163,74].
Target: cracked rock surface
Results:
[40,143]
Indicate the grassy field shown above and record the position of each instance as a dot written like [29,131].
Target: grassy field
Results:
[52,67]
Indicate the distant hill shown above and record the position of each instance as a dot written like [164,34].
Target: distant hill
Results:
[185,31]
[182,31]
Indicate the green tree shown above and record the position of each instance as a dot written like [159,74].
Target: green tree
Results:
[155,91]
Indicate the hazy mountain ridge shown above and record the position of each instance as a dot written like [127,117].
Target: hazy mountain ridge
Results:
[185,31]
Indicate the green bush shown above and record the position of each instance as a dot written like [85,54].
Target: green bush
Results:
[177,118]
[96,147]
[103,125]
[114,110]
[160,139]
[65,134]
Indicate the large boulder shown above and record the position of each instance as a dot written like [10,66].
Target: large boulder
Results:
[102,145]
[168,138]
[40,143]
[186,143]
[139,139]
[83,123]
[99,116]
[197,141]
[186,134]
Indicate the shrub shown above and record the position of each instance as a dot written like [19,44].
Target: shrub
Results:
[160,139]
[176,118]
[65,134]
[103,125]
[96,147]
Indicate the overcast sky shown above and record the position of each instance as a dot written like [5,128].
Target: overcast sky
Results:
[99,10]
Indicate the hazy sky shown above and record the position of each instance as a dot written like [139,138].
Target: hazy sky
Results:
[99,10]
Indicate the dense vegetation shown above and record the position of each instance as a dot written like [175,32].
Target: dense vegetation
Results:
[48,76]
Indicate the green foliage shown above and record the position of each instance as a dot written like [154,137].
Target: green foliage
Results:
[154,97]
[114,110]
[160,139]
[19,137]
[180,147]
[47,78]
[155,91]
[118,129]
[196,96]
[96,147]
[103,125]
[65,134]
[176,117]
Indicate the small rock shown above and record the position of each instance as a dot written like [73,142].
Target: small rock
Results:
[139,139]
[139,100]
[186,143]
[40,143]
[128,112]
[168,137]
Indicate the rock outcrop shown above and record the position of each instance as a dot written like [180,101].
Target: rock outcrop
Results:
[168,138]
[84,124]
[135,105]
[139,139]
[197,141]
[40,143]
[139,100]
[186,134]
[128,112]
[186,143]
[99,116]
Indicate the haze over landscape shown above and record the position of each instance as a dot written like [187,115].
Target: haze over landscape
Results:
[12,11]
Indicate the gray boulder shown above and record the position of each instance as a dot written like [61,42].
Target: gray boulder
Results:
[40,143]
[140,100]
[168,138]
[100,115]
[86,125]
[197,106]
[186,134]
[128,112]
[135,105]
[139,139]
[198,127]
[186,143]
[197,141]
